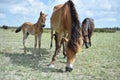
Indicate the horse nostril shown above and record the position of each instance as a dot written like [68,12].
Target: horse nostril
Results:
[43,25]
[87,45]
[68,69]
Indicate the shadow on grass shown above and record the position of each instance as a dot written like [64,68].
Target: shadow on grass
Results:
[35,62]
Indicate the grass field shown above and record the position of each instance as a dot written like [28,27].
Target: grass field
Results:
[100,62]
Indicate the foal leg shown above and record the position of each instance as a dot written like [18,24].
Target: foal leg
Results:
[35,44]
[39,42]
[24,40]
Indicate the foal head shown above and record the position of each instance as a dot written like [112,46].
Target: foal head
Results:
[42,19]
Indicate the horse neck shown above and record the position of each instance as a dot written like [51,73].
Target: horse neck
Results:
[38,23]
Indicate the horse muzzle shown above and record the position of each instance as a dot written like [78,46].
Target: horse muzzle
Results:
[43,25]
[68,69]
[87,45]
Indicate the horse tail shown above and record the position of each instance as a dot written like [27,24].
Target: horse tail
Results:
[75,29]
[18,29]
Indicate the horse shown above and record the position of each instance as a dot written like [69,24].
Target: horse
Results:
[64,20]
[55,34]
[87,31]
[33,29]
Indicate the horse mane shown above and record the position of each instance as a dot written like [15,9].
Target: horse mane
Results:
[85,27]
[37,23]
[75,28]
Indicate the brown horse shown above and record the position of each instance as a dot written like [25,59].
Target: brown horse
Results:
[55,34]
[64,20]
[87,31]
[33,29]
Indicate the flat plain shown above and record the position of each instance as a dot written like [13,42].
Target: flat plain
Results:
[99,62]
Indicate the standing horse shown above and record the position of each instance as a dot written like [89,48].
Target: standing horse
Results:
[87,31]
[64,20]
[33,29]
[55,34]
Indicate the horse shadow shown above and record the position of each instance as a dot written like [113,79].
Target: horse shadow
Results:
[39,63]
[36,51]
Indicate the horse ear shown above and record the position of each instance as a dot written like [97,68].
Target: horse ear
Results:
[41,13]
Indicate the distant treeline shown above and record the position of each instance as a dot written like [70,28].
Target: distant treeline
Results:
[8,27]
[108,30]
[46,30]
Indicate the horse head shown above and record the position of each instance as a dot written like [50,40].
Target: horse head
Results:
[42,19]
[87,31]
[86,40]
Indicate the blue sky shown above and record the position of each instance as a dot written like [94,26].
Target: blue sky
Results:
[106,13]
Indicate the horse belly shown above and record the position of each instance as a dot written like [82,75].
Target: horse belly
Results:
[30,30]
[56,21]
[56,28]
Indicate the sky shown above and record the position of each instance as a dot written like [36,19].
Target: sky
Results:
[106,13]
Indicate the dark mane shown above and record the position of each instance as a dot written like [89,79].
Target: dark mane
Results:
[75,28]
[84,26]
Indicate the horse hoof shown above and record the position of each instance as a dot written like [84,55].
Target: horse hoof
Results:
[51,65]
[68,69]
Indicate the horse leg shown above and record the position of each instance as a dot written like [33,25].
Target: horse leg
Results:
[63,42]
[57,47]
[39,42]
[90,41]
[51,38]
[64,52]
[70,59]
[35,45]
[24,40]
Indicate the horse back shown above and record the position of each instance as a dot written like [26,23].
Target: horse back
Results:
[60,19]
[88,26]
[30,28]
[27,24]
[91,26]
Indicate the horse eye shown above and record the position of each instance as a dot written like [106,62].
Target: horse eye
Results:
[85,35]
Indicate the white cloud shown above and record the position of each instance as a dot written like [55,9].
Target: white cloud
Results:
[108,19]
[89,13]
[19,9]
[2,16]
[27,7]
[102,11]
[106,5]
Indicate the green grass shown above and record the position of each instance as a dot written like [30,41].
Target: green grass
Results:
[100,62]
